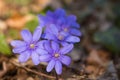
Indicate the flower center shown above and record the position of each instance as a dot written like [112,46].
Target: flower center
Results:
[56,55]
[32,46]
[65,29]
[60,37]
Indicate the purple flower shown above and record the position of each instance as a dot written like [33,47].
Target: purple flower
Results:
[62,36]
[51,17]
[56,56]
[60,27]
[31,47]
[58,17]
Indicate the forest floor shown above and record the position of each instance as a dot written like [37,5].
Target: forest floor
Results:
[96,57]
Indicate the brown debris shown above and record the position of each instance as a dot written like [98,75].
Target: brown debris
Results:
[18,21]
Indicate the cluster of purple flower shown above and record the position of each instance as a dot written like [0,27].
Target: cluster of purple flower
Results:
[58,31]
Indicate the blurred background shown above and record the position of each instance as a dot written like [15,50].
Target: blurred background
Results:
[96,57]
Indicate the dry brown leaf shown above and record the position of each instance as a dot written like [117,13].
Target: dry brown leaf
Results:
[97,62]
[3,25]
[94,58]
[104,55]
[90,69]
[99,57]
[29,78]
[40,5]
[94,71]
[3,8]
[43,3]
[18,21]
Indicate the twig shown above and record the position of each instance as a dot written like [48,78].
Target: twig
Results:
[30,70]
[4,69]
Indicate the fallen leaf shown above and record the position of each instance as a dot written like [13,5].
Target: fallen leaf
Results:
[3,25]
[3,8]
[18,21]
[100,57]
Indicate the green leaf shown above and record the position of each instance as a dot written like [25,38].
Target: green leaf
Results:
[4,47]
[31,25]
[13,33]
[110,39]
[19,2]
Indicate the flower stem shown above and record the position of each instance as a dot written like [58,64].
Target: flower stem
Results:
[57,78]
